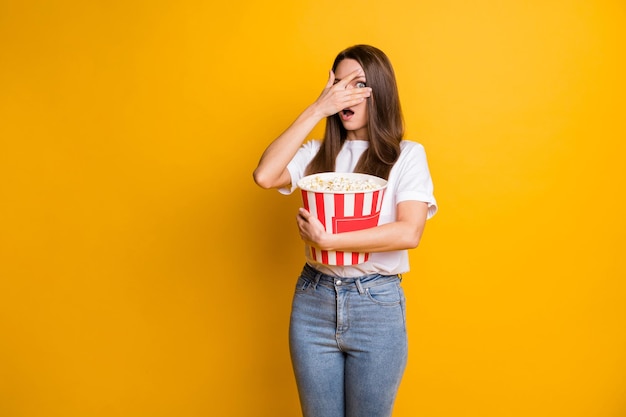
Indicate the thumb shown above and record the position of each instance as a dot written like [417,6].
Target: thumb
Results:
[304,214]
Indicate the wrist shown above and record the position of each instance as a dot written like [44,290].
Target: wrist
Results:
[328,241]
[316,112]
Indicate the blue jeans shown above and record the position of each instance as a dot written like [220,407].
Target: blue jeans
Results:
[348,343]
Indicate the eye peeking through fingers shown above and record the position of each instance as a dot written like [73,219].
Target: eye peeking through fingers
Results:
[360,84]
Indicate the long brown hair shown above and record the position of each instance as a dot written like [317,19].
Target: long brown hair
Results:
[385,125]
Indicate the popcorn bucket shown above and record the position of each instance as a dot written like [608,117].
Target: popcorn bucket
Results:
[343,202]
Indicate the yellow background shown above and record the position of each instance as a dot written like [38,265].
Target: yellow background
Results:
[144,274]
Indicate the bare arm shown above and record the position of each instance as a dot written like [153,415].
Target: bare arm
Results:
[404,233]
[271,171]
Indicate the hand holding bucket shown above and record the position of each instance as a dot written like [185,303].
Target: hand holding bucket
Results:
[342,202]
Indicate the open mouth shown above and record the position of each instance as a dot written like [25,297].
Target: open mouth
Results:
[346,114]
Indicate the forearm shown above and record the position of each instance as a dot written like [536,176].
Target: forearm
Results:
[271,171]
[404,233]
[387,237]
[273,162]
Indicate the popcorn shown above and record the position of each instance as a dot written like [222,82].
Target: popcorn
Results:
[342,202]
[338,184]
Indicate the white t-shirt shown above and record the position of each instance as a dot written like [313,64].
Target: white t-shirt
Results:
[409,179]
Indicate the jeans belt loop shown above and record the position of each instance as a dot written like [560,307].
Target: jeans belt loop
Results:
[359,286]
[316,279]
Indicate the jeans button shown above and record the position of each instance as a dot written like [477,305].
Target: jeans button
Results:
[338,282]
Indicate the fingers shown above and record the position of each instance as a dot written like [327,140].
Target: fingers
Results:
[336,96]
[312,231]
[352,96]
[306,226]
[302,220]
[354,74]
[303,214]
[331,79]
[357,95]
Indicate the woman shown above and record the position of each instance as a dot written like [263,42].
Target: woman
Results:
[347,333]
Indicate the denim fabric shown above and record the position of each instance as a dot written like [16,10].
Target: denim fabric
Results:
[348,343]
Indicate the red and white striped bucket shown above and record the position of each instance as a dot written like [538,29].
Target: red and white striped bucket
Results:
[341,210]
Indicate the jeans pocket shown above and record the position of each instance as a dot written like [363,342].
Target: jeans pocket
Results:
[302,284]
[385,295]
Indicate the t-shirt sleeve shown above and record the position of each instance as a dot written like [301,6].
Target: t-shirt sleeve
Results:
[298,164]
[414,180]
